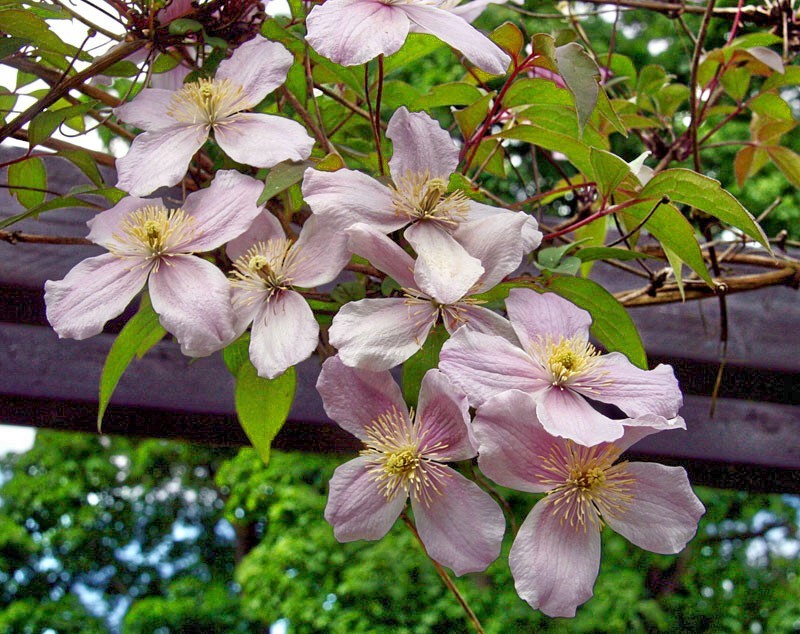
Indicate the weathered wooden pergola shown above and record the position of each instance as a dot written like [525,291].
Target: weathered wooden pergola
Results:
[751,442]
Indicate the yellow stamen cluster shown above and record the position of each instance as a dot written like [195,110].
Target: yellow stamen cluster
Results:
[152,232]
[419,197]
[565,359]
[207,101]
[266,266]
[453,314]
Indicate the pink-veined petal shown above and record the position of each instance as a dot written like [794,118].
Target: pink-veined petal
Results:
[378,334]
[351,32]
[531,236]
[462,527]
[384,254]
[484,365]
[420,145]
[322,252]
[564,413]
[512,444]
[443,420]
[262,140]
[357,507]
[663,514]
[222,211]
[106,224]
[497,243]
[258,66]
[264,228]
[148,110]
[158,159]
[192,299]
[542,315]
[94,291]
[554,565]
[444,270]
[356,398]
[284,334]
[459,34]
[350,197]
[479,319]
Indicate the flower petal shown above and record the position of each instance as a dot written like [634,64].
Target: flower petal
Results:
[564,413]
[148,111]
[284,334]
[322,252]
[357,508]
[663,514]
[444,270]
[160,158]
[222,211]
[531,236]
[643,426]
[350,197]
[471,10]
[554,565]
[479,319]
[542,315]
[512,444]
[192,299]
[351,32]
[94,291]
[421,146]
[384,254]
[106,224]
[497,243]
[264,228]
[356,398]
[258,66]
[262,140]
[459,34]
[443,420]
[378,334]
[462,527]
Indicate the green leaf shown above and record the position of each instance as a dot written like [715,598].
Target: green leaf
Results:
[706,194]
[607,111]
[772,106]
[582,77]
[122,68]
[10,45]
[472,116]
[576,151]
[452,94]
[612,326]
[677,266]
[609,170]
[84,162]
[589,254]
[263,405]
[237,353]
[30,174]
[534,92]
[426,358]
[348,292]
[45,123]
[181,26]
[54,203]
[417,45]
[508,37]
[787,161]
[26,25]
[282,177]
[141,333]
[165,62]
[592,235]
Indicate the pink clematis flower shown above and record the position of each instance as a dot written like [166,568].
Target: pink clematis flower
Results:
[404,456]
[267,268]
[556,554]
[177,123]
[423,160]
[351,32]
[555,362]
[377,334]
[149,243]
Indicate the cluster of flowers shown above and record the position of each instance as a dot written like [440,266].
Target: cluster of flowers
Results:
[534,377]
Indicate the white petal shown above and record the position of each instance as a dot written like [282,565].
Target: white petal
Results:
[262,140]
[420,145]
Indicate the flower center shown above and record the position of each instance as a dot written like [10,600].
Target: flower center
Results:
[419,197]
[401,462]
[152,232]
[207,101]
[565,360]
[266,266]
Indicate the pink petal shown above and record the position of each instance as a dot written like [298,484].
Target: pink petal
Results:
[351,32]
[350,197]
[564,413]
[192,299]
[262,140]
[148,110]
[175,9]
[663,514]
[107,223]
[222,211]
[635,391]
[484,365]
[421,146]
[541,315]
[284,334]
[322,253]
[479,319]
[497,243]
[357,508]
[554,565]
[459,34]
[94,291]
[158,159]
[444,270]
[462,527]
[512,444]
[643,426]
[531,236]
[258,66]
[469,11]
[378,334]
[383,253]
[356,398]
[443,419]
[264,228]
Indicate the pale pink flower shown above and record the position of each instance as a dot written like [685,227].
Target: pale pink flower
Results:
[556,554]
[404,456]
[149,243]
[423,160]
[268,266]
[555,362]
[351,32]
[177,123]
[377,334]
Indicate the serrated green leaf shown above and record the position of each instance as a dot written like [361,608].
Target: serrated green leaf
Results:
[509,38]
[45,123]
[787,161]
[582,76]
[612,326]
[609,170]
[141,333]
[25,179]
[282,177]
[426,358]
[263,405]
[772,106]
[84,162]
